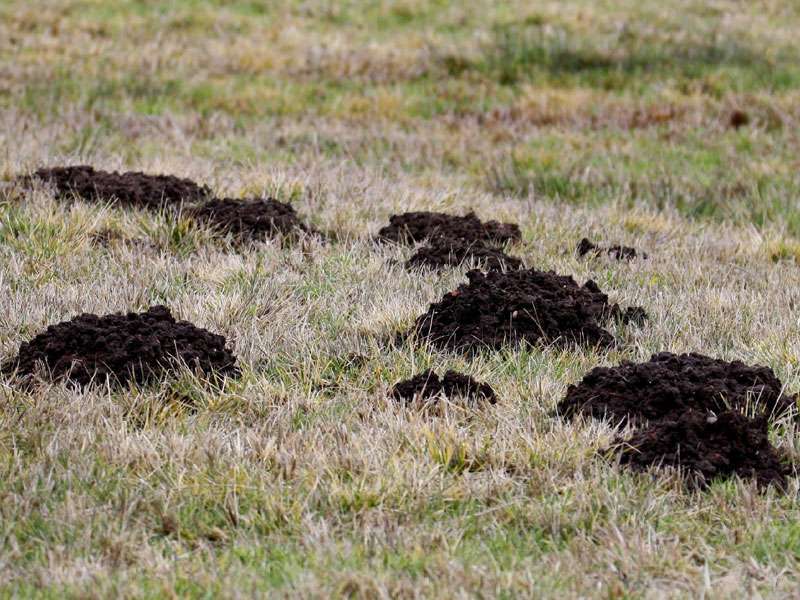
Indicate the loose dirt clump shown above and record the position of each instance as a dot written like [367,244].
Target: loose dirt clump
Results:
[618,252]
[118,348]
[669,385]
[495,309]
[443,253]
[413,227]
[251,219]
[130,189]
[738,119]
[428,385]
[706,447]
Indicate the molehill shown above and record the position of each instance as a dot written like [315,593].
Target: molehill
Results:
[428,385]
[494,309]
[122,349]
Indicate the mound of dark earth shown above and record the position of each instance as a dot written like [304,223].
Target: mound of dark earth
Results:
[495,309]
[618,252]
[706,447]
[669,385]
[443,253]
[453,384]
[130,189]
[250,219]
[413,227]
[122,349]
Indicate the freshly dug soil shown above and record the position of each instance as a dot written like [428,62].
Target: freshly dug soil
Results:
[130,189]
[122,348]
[495,309]
[413,227]
[618,252]
[251,219]
[669,385]
[427,385]
[706,447]
[443,253]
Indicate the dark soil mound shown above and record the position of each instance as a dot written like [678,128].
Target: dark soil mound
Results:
[251,219]
[738,119]
[130,189]
[706,447]
[122,348]
[443,253]
[669,385]
[427,385]
[496,308]
[413,227]
[618,252]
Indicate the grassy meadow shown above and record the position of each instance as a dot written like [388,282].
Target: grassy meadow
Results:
[612,120]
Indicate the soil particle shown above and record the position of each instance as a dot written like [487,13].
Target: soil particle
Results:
[707,446]
[251,219]
[122,349]
[413,227]
[495,309]
[617,252]
[443,253]
[738,119]
[669,385]
[129,189]
[453,384]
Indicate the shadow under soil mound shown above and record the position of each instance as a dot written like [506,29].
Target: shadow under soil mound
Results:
[669,385]
[707,446]
[130,189]
[444,253]
[122,349]
[495,309]
[413,227]
[251,219]
[617,252]
[428,385]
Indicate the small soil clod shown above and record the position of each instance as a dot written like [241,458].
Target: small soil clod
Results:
[118,348]
[739,118]
[413,227]
[495,309]
[669,385]
[706,447]
[251,219]
[617,252]
[443,253]
[428,385]
[130,189]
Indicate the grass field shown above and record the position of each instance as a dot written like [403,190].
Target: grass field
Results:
[572,118]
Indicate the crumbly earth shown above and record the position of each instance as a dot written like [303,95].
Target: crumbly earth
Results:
[428,385]
[135,347]
[706,447]
[444,253]
[418,226]
[495,309]
[131,188]
[618,252]
[669,384]
[251,219]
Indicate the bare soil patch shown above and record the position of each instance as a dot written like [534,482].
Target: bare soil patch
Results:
[444,253]
[119,348]
[251,219]
[495,309]
[617,252]
[707,447]
[669,385]
[412,227]
[132,188]
[428,385]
